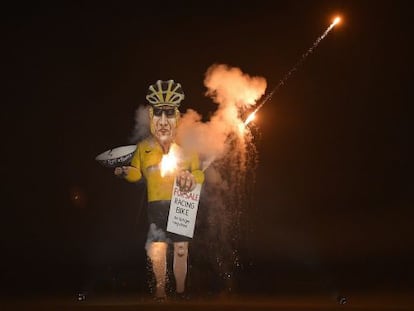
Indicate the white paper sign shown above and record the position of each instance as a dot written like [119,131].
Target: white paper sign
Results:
[183,211]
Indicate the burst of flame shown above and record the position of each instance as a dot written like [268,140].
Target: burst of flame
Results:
[169,161]
[250,118]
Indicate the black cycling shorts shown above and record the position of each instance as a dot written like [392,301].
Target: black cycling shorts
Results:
[157,218]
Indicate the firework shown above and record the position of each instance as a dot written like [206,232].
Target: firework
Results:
[293,69]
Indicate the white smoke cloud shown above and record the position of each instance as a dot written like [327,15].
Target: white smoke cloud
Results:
[229,157]
[230,86]
[234,92]
[142,125]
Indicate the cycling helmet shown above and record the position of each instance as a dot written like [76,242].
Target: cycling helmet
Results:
[165,93]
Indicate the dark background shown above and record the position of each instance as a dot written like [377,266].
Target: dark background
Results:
[333,201]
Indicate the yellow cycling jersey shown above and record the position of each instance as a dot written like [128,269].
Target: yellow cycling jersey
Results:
[146,162]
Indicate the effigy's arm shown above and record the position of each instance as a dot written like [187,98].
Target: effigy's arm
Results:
[134,170]
[196,170]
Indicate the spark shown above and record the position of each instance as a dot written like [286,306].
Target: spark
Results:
[251,117]
[169,161]
[336,20]
[293,69]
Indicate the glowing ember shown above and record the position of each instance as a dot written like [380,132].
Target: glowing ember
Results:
[169,161]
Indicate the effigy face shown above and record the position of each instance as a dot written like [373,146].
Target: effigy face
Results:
[164,123]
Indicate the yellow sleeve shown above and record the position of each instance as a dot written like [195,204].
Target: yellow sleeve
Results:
[134,173]
[195,169]
[199,176]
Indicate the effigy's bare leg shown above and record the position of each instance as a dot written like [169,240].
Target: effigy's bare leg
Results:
[180,265]
[157,252]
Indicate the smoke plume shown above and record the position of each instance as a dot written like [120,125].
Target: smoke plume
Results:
[229,158]
[142,125]
[234,92]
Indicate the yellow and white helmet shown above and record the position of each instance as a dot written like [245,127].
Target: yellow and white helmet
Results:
[165,93]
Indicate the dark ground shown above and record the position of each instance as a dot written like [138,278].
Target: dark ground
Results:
[356,301]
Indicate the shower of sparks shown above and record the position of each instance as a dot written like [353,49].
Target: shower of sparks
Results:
[293,69]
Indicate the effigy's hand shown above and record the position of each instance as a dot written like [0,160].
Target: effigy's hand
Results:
[121,171]
[186,181]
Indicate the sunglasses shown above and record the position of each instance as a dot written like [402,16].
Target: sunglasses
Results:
[169,112]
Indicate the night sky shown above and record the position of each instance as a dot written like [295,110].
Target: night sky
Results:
[332,205]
